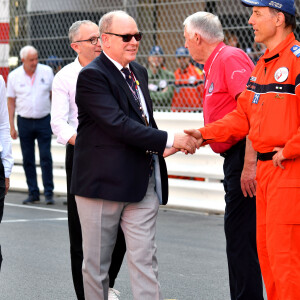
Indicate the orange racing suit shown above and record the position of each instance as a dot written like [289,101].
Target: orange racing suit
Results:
[269,110]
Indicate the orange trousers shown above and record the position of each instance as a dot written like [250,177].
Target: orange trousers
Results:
[278,228]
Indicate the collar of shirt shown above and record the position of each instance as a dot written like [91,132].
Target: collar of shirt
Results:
[212,57]
[118,65]
[279,48]
[142,99]
[24,72]
[28,78]
[77,65]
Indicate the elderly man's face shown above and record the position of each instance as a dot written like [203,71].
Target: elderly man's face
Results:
[115,47]
[195,49]
[30,62]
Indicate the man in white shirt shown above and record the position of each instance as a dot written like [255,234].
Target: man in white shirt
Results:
[84,40]
[29,95]
[6,159]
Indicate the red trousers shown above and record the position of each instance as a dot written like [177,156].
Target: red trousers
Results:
[278,228]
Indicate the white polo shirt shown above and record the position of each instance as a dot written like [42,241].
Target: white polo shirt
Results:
[32,93]
[5,140]
[64,110]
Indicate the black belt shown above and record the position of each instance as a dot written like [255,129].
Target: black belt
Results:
[265,156]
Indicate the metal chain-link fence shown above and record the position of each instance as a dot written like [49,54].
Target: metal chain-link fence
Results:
[45,23]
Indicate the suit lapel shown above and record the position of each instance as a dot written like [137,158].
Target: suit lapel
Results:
[116,74]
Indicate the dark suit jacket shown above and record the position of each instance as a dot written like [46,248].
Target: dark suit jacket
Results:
[113,145]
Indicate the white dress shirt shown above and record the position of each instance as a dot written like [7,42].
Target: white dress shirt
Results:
[32,93]
[170,139]
[64,110]
[5,140]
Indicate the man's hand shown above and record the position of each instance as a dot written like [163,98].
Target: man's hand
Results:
[248,182]
[6,185]
[196,134]
[72,139]
[170,151]
[278,158]
[13,133]
[185,142]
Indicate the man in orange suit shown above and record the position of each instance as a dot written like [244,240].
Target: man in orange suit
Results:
[269,110]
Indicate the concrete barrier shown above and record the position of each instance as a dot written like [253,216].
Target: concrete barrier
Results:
[206,195]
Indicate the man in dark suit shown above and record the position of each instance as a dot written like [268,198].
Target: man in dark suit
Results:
[119,173]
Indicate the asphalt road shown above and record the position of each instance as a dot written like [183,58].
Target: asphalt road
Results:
[34,239]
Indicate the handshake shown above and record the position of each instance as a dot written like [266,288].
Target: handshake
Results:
[186,142]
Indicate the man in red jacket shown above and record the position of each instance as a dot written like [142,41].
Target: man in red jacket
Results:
[227,70]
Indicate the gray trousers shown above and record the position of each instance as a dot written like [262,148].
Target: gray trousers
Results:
[99,222]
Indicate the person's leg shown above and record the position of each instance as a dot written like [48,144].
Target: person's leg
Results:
[2,197]
[27,138]
[283,245]
[99,221]
[261,203]
[240,230]
[138,222]
[74,229]
[283,228]
[117,257]
[44,136]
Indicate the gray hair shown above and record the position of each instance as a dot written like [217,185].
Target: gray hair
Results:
[107,19]
[206,24]
[74,29]
[25,51]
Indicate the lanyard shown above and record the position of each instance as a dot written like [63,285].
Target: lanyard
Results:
[32,79]
[137,98]
[207,75]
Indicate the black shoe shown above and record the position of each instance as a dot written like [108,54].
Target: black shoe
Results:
[31,200]
[49,200]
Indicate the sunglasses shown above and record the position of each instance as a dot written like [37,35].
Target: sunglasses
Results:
[127,37]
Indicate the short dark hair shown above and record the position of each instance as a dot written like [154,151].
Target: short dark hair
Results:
[289,19]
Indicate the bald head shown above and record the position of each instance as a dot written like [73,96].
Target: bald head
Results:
[107,20]
[119,36]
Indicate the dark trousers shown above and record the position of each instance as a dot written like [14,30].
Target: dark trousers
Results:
[29,131]
[2,196]
[240,230]
[76,237]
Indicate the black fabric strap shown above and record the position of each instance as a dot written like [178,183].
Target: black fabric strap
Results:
[272,87]
[266,156]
